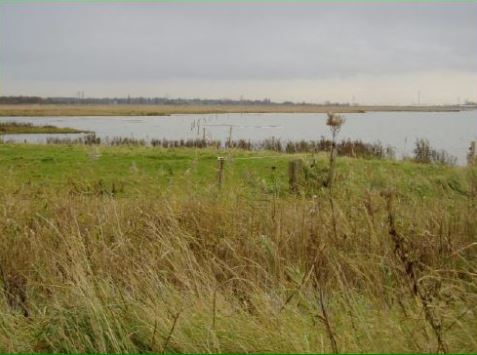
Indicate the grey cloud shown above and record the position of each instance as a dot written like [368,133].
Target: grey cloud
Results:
[164,41]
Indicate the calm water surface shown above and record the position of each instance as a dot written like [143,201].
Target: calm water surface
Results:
[451,131]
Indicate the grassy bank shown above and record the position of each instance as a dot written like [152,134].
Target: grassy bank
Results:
[160,110]
[28,128]
[136,249]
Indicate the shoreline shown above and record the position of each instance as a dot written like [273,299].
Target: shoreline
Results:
[40,110]
[12,128]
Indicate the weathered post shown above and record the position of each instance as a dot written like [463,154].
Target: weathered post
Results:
[274,179]
[331,171]
[220,171]
[229,141]
[295,168]
[472,155]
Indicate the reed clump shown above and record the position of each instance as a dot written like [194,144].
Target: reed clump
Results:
[87,139]
[187,143]
[424,153]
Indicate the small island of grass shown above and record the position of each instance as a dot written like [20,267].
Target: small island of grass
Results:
[28,128]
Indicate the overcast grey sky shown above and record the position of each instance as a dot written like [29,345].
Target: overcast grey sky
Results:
[376,53]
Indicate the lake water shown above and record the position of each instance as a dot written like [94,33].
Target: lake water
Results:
[450,131]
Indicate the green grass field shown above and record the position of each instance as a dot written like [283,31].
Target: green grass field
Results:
[146,168]
[137,249]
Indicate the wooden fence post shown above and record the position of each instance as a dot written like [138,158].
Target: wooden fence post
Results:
[229,140]
[295,169]
[220,171]
[472,155]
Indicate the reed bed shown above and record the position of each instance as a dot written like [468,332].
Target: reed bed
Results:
[350,148]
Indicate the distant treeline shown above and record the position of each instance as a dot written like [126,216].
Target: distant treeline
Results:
[19,100]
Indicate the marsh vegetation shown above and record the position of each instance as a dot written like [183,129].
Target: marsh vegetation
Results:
[29,128]
[135,249]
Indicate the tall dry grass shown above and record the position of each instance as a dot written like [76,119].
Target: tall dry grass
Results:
[202,270]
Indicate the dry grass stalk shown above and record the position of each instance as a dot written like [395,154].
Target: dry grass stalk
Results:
[324,317]
[410,271]
[171,331]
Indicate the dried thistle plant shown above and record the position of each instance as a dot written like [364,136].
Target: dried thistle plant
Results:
[335,122]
